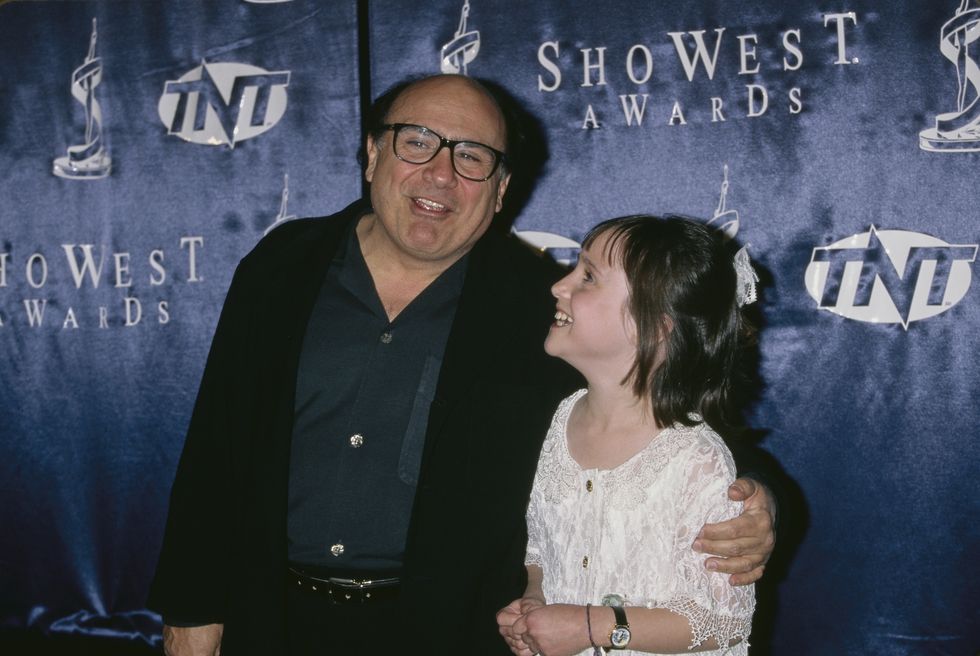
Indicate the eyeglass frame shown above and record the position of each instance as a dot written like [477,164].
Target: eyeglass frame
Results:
[500,158]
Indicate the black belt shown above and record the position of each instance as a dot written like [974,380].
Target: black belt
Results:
[355,589]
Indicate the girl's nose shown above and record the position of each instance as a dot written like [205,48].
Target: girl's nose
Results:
[560,288]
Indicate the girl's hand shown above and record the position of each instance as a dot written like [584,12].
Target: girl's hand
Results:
[553,630]
[506,617]
[530,603]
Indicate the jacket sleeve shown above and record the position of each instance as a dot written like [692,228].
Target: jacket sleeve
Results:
[191,581]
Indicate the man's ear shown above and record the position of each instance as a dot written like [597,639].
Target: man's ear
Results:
[372,158]
[501,190]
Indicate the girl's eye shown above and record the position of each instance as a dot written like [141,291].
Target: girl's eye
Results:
[587,276]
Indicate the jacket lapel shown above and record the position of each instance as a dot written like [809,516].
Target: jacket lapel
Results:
[481,325]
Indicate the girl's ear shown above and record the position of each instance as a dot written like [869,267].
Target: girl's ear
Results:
[666,326]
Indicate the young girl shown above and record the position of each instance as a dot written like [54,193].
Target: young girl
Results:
[632,467]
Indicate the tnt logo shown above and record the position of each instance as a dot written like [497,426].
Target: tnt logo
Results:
[225,103]
[890,276]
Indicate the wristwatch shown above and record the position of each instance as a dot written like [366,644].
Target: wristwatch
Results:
[620,636]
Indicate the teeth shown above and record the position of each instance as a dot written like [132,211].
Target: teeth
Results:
[428,204]
[562,319]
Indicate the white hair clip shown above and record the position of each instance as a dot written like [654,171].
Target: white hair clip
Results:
[745,278]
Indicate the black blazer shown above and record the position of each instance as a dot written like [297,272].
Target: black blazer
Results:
[224,549]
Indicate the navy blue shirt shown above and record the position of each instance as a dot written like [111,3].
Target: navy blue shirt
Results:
[363,392]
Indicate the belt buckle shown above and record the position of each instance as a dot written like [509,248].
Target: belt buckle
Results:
[343,590]
[351,583]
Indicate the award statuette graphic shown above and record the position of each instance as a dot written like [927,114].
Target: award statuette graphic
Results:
[463,48]
[283,215]
[959,131]
[88,160]
[562,249]
[724,219]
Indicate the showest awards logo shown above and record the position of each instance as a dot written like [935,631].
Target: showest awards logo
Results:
[89,159]
[223,103]
[96,286]
[463,48]
[698,53]
[959,130]
[890,276]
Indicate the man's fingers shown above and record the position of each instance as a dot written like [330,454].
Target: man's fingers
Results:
[743,531]
[760,500]
[741,545]
[742,488]
[748,525]
[735,564]
[742,536]
[750,546]
[748,577]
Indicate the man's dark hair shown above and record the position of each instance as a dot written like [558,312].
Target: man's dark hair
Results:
[682,283]
[376,116]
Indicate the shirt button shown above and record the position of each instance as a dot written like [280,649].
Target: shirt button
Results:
[356,440]
[588,486]
[386,337]
[585,561]
[337,550]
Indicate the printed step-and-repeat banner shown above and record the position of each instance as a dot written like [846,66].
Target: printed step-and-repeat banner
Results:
[840,140]
[144,152]
[146,146]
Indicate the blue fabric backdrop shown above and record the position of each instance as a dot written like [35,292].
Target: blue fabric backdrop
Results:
[839,139]
[95,394]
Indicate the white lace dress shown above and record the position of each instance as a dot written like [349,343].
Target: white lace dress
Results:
[629,530]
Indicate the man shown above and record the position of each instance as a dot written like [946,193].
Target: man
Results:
[362,448]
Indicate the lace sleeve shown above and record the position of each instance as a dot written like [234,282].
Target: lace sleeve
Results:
[712,606]
[533,554]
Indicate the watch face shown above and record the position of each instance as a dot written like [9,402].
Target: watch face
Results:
[620,637]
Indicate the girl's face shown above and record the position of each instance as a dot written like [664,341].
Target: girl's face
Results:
[593,330]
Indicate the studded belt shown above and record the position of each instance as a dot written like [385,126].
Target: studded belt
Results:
[341,590]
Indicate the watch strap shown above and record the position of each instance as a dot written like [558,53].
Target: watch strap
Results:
[619,638]
[620,614]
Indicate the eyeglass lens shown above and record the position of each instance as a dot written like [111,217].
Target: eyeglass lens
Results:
[418,145]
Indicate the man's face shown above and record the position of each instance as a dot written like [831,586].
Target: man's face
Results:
[428,211]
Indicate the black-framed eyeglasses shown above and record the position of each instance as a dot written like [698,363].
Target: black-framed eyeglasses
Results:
[417,144]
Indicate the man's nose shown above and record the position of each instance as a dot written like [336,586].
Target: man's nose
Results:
[440,168]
